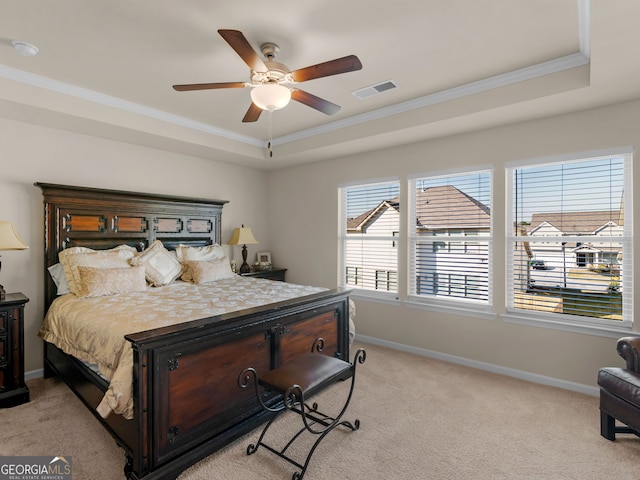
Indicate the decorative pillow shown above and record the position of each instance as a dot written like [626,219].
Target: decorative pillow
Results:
[59,278]
[99,282]
[160,267]
[185,253]
[204,271]
[73,257]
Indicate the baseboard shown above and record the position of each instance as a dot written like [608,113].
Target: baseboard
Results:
[30,375]
[488,367]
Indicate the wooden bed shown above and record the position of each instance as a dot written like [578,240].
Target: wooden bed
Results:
[180,415]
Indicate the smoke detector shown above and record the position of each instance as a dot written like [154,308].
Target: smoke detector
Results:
[24,48]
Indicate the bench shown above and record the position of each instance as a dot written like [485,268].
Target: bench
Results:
[295,381]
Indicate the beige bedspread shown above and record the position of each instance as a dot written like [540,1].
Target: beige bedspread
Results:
[93,329]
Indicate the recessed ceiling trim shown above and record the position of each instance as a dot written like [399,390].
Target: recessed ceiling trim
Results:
[584,27]
[523,74]
[583,57]
[516,76]
[96,97]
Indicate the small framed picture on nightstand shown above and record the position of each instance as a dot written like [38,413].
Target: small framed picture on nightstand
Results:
[264,260]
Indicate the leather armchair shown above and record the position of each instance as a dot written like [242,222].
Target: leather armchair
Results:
[620,392]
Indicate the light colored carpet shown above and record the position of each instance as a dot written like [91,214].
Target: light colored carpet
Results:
[420,419]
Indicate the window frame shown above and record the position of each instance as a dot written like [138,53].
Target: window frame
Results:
[574,323]
[394,239]
[461,306]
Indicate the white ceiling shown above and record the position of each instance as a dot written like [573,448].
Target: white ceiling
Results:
[106,67]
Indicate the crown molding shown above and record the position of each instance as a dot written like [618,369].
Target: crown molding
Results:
[510,78]
[583,57]
[124,105]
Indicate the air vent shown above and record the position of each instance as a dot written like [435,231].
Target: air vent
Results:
[375,89]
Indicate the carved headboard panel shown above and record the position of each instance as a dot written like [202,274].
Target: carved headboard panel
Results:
[102,219]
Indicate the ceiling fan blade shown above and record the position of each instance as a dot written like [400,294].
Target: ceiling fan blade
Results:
[240,44]
[252,114]
[208,86]
[346,64]
[320,104]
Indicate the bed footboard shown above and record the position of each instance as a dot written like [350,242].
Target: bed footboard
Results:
[187,401]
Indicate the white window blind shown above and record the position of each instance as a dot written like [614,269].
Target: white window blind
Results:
[570,243]
[370,225]
[451,240]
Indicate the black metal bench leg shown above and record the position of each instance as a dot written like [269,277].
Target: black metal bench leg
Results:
[314,421]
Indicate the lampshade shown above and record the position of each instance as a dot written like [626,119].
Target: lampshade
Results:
[243,236]
[271,96]
[9,239]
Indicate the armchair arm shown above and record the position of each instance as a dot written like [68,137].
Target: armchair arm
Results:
[629,349]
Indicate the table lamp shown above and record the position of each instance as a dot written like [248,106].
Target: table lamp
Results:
[9,240]
[243,236]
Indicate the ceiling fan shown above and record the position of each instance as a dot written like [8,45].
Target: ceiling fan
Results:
[272,83]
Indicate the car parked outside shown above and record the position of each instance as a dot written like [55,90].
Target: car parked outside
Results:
[538,264]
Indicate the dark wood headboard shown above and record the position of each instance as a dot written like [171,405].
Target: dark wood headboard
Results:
[100,219]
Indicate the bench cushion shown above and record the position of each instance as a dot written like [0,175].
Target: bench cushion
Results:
[308,371]
[621,383]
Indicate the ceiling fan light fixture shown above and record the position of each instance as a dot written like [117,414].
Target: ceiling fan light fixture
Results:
[271,96]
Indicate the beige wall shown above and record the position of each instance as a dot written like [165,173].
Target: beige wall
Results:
[299,223]
[37,154]
[304,239]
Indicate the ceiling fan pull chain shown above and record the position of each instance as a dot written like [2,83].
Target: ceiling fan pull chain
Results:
[269,149]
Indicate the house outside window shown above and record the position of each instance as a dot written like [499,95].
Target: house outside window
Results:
[451,238]
[386,280]
[370,223]
[570,240]
[352,276]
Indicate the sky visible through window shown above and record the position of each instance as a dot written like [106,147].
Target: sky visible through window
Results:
[363,199]
[584,185]
[591,185]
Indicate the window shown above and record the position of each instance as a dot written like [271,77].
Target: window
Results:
[451,237]
[370,223]
[581,272]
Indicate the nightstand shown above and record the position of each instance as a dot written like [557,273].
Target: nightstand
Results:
[273,274]
[13,390]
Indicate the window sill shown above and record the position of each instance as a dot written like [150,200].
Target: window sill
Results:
[371,296]
[598,330]
[477,311]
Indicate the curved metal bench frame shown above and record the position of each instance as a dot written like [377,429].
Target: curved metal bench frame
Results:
[314,421]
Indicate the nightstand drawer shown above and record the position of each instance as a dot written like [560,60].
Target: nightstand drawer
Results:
[273,274]
[13,390]
[4,347]
[5,376]
[4,321]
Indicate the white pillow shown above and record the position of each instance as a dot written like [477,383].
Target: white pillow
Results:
[185,253]
[59,278]
[203,271]
[72,257]
[160,267]
[99,282]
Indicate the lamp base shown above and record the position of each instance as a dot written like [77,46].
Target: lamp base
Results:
[244,268]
